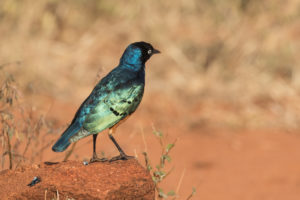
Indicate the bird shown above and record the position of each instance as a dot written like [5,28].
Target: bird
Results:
[111,102]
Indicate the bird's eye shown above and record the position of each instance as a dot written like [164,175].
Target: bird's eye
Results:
[149,51]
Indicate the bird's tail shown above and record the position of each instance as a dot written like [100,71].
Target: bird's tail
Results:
[63,142]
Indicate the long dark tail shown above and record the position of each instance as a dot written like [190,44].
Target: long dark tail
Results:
[63,142]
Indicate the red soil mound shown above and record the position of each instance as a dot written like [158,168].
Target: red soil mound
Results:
[74,180]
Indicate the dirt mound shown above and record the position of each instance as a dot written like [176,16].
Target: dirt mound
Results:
[74,180]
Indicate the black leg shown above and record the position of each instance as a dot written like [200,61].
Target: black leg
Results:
[116,144]
[122,155]
[95,157]
[94,145]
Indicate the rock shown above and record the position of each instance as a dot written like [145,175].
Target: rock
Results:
[74,180]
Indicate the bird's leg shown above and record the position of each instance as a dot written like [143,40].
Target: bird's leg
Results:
[95,157]
[122,155]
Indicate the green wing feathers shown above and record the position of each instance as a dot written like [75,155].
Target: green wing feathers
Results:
[111,109]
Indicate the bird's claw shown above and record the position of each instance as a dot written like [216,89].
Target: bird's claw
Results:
[96,159]
[121,157]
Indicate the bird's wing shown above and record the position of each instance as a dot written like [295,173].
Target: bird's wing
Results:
[113,103]
[117,105]
[102,89]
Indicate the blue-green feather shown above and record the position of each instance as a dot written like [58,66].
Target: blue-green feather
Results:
[114,97]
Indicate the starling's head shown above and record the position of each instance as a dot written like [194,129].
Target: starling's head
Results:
[138,53]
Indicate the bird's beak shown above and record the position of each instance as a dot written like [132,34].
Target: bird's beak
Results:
[155,51]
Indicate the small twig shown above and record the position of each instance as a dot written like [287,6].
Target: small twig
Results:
[45,197]
[169,172]
[45,147]
[9,150]
[144,139]
[2,161]
[57,194]
[180,181]
[10,63]
[135,154]
[13,154]
[147,162]
[192,194]
[27,144]
[69,153]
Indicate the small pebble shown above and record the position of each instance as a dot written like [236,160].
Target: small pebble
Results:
[85,162]
[35,180]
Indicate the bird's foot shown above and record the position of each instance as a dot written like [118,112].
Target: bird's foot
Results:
[121,157]
[96,159]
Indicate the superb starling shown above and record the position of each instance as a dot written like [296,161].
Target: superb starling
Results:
[113,99]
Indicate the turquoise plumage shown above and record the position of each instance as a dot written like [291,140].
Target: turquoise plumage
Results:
[114,98]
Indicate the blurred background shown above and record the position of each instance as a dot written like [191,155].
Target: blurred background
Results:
[226,86]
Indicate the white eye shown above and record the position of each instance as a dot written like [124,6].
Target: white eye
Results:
[149,51]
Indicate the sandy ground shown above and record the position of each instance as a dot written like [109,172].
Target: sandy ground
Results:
[219,164]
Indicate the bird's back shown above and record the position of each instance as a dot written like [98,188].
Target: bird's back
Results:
[116,96]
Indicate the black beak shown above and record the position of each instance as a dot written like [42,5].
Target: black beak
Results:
[155,51]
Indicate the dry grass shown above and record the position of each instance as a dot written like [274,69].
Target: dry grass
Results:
[21,130]
[234,63]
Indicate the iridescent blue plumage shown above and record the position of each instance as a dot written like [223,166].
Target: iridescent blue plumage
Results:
[114,98]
